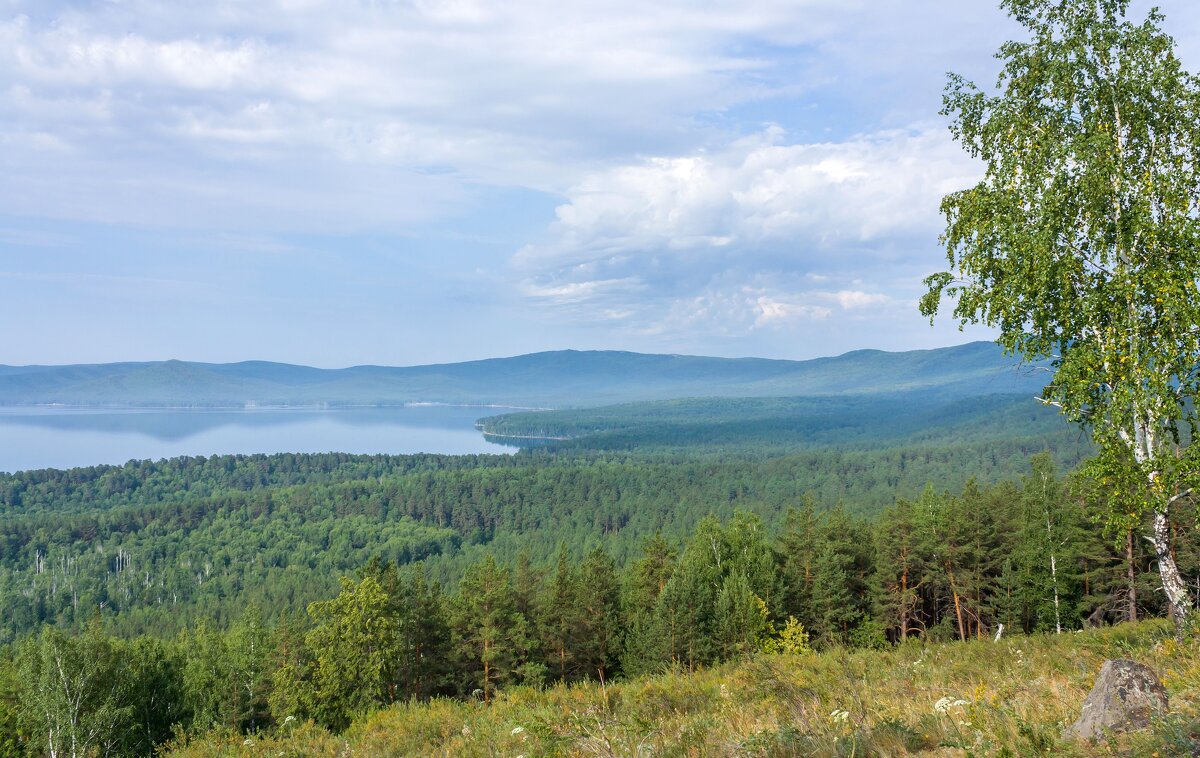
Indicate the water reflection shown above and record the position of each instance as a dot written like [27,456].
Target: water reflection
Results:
[60,437]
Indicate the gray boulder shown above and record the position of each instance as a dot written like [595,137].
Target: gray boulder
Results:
[1125,696]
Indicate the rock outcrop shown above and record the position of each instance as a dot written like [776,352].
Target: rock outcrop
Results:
[1126,695]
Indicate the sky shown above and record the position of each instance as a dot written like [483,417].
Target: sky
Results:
[394,182]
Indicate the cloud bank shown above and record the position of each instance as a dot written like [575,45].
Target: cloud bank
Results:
[757,235]
[729,177]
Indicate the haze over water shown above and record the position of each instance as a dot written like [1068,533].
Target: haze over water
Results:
[34,438]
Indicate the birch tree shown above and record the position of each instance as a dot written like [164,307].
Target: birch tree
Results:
[1082,242]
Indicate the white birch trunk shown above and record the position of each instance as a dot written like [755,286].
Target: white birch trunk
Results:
[1053,559]
[1178,600]
[1054,578]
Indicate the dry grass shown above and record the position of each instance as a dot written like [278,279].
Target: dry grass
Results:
[1008,698]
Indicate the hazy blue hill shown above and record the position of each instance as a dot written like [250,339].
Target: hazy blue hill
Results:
[279,373]
[40,379]
[166,383]
[566,378]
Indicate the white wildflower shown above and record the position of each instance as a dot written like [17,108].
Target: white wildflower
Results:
[839,715]
[517,730]
[466,731]
[944,704]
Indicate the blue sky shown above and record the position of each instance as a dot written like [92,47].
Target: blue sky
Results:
[377,181]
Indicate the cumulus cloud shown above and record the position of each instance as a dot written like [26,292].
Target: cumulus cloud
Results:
[524,94]
[760,233]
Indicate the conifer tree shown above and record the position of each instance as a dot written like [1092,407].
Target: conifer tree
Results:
[647,577]
[599,614]
[841,572]
[685,611]
[422,664]
[488,631]
[558,620]
[643,649]
[741,617]
[797,551]
[899,568]
[834,606]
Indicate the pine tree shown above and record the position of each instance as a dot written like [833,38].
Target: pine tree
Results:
[422,665]
[645,580]
[898,568]
[741,617]
[796,549]
[598,601]
[558,620]
[643,650]
[488,632]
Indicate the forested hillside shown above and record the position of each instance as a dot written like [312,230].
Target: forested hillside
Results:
[943,566]
[158,545]
[244,598]
[758,425]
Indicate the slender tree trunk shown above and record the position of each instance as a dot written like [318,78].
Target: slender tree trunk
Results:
[904,603]
[1054,579]
[1130,578]
[962,630]
[1053,558]
[487,672]
[1174,588]
[1178,600]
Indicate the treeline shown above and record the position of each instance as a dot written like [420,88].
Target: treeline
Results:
[791,424]
[159,547]
[942,566]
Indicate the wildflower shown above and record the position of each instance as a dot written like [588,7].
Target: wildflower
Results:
[517,730]
[944,704]
[466,731]
[839,715]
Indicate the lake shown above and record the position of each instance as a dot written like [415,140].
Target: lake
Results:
[33,438]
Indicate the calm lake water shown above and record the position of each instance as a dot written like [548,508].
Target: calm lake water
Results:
[33,438]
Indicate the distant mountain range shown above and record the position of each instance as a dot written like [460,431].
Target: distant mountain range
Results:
[559,379]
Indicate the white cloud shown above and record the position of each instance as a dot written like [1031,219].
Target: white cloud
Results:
[852,299]
[771,310]
[529,93]
[524,94]
[744,233]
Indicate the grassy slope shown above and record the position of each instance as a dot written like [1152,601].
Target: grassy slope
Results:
[1020,694]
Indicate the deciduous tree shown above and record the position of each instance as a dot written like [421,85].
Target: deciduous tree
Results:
[1081,244]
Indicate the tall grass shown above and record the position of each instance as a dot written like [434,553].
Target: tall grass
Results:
[1013,697]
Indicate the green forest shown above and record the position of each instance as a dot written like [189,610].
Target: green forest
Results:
[162,545]
[254,601]
[875,554]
